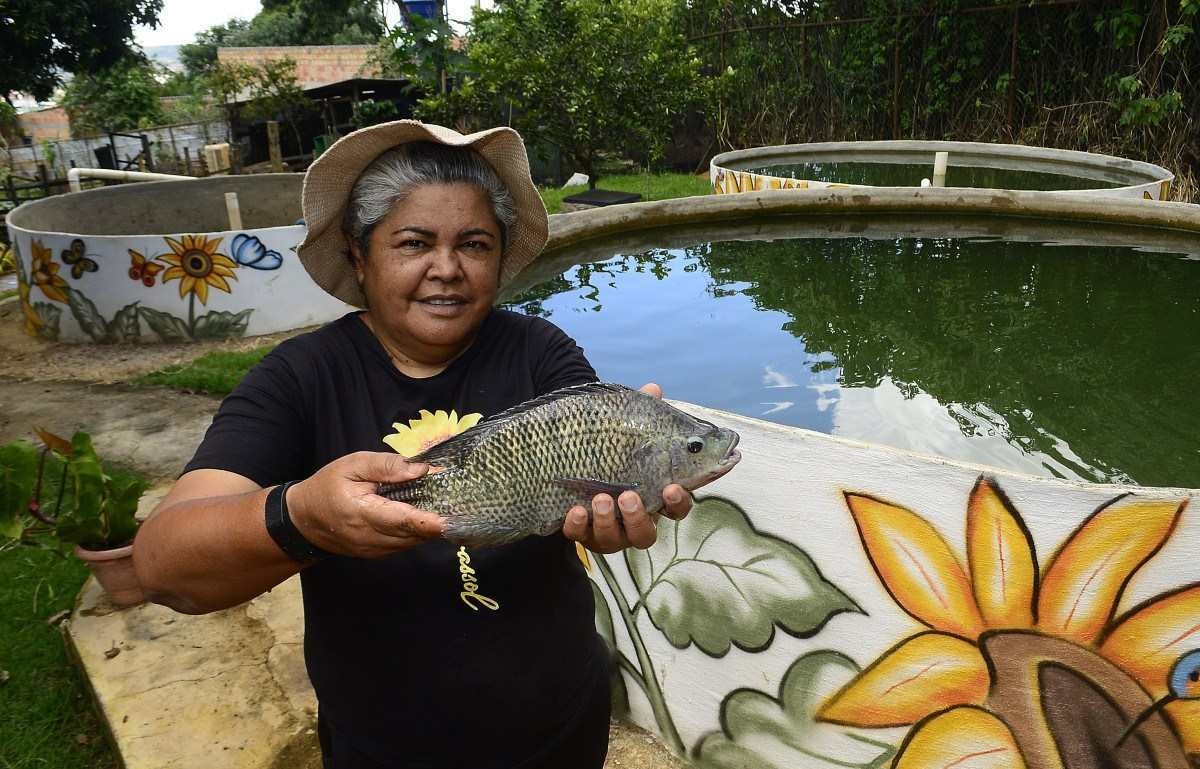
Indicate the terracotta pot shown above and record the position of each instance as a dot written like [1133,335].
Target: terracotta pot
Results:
[114,571]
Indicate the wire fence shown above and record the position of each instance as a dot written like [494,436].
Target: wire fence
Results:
[162,148]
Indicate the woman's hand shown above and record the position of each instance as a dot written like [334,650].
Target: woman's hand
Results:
[606,533]
[338,510]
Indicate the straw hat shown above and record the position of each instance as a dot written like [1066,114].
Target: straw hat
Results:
[329,181]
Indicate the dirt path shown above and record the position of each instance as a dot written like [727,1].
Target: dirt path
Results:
[151,430]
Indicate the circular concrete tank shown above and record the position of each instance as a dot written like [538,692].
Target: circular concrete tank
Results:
[906,163]
[159,262]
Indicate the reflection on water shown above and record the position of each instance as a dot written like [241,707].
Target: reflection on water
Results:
[911,174]
[1073,361]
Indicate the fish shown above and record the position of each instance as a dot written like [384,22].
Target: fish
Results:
[517,473]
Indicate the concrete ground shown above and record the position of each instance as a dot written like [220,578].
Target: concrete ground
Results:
[222,691]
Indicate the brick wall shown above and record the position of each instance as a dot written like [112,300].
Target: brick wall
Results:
[315,64]
[49,124]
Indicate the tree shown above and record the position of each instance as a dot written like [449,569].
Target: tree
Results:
[119,98]
[286,22]
[226,83]
[199,58]
[589,76]
[42,39]
[275,92]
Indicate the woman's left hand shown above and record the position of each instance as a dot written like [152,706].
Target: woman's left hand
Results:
[610,532]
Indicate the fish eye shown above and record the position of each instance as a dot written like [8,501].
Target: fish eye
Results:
[695,445]
[1195,675]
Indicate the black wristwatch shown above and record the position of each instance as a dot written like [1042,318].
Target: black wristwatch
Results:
[284,532]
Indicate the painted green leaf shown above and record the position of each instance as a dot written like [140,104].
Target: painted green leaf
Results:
[604,622]
[713,580]
[88,317]
[220,324]
[604,626]
[124,326]
[50,315]
[167,326]
[759,731]
[18,468]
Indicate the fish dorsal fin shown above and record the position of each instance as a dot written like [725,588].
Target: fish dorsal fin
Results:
[451,451]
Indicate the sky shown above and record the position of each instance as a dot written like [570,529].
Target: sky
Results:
[180,20]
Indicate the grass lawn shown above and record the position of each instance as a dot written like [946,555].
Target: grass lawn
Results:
[46,715]
[216,373]
[6,293]
[651,187]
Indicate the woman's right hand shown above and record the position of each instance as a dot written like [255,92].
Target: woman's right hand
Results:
[338,509]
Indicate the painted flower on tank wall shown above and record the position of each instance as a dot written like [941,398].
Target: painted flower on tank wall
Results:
[1024,667]
[195,263]
[43,272]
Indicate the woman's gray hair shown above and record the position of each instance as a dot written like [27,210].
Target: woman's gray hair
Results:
[392,176]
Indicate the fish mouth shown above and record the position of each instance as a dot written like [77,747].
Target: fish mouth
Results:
[724,464]
[732,455]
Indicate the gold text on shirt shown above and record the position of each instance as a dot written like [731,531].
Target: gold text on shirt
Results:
[470,592]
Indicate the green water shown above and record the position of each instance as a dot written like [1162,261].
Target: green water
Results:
[1071,361]
[911,174]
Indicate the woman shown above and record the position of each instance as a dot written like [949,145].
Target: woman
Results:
[421,654]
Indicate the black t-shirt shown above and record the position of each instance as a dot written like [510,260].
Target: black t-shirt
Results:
[436,656]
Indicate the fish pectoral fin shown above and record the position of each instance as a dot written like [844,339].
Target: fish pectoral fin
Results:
[590,487]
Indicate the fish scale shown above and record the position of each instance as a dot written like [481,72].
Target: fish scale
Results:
[516,474]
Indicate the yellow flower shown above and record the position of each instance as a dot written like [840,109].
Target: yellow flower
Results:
[197,265]
[44,272]
[989,618]
[428,430]
[33,321]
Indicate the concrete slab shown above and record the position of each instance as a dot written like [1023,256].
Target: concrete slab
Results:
[226,690]
[221,691]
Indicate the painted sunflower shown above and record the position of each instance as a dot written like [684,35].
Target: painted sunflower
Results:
[428,430]
[194,261]
[1022,667]
[43,271]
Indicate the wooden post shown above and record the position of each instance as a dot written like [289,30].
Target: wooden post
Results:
[174,147]
[273,146]
[940,161]
[45,179]
[235,213]
[187,161]
[12,190]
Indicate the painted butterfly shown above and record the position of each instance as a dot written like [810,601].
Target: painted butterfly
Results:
[141,269]
[76,256]
[249,251]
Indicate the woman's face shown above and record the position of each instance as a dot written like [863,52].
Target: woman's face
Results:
[432,270]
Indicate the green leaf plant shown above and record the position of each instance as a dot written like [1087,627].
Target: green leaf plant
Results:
[79,504]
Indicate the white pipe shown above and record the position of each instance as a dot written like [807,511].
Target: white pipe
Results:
[75,174]
[940,161]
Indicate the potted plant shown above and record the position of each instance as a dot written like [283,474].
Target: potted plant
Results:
[90,509]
